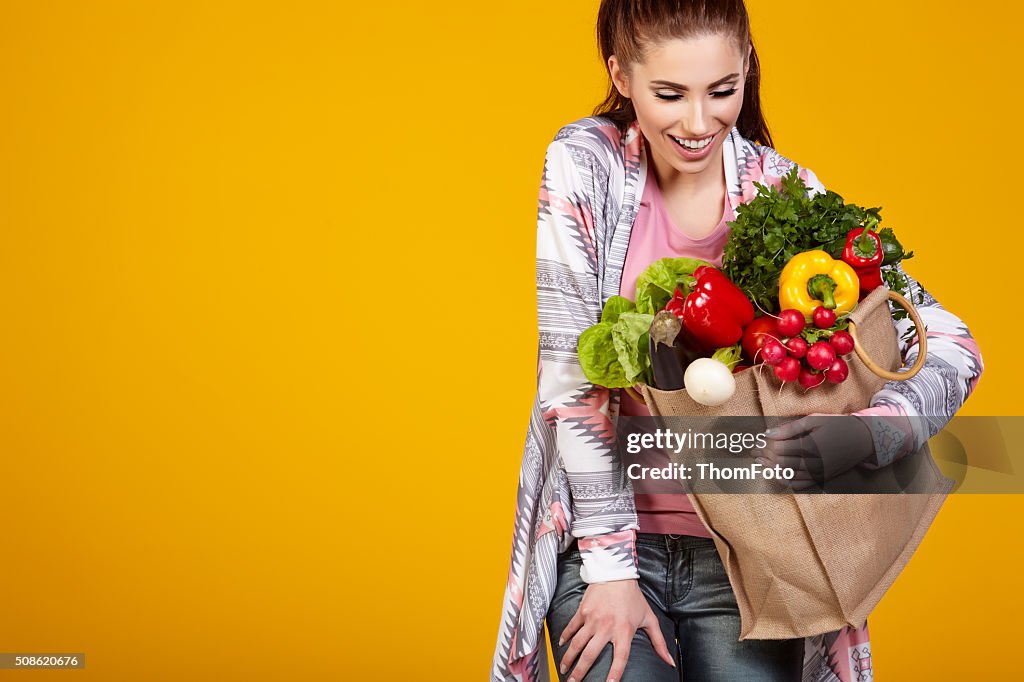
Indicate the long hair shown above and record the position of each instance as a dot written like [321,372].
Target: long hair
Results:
[630,28]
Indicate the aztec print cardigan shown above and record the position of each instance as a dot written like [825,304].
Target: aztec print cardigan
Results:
[571,485]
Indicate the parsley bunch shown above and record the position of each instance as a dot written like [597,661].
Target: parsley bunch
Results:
[776,225]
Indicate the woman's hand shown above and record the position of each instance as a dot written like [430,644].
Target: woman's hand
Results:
[818,447]
[610,612]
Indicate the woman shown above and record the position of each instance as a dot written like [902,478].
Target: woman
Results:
[658,171]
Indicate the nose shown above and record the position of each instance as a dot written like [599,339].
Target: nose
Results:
[693,121]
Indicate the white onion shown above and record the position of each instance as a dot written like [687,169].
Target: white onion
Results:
[709,382]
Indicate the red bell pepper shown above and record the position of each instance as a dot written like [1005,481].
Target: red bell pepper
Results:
[715,311]
[863,252]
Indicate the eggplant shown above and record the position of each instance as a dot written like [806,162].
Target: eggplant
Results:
[688,348]
[672,348]
[665,361]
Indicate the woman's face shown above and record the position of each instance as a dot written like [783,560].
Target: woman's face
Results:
[690,89]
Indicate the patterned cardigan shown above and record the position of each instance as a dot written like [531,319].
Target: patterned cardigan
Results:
[571,484]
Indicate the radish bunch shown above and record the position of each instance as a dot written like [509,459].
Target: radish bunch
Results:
[810,355]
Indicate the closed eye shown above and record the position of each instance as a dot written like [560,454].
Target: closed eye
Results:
[718,95]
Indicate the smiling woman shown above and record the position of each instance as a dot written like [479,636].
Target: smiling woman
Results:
[632,586]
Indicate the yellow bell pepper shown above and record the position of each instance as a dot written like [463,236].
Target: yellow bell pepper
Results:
[813,278]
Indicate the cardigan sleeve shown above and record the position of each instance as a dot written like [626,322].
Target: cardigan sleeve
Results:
[568,301]
[920,407]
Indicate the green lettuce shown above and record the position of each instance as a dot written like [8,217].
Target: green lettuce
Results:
[629,336]
[599,359]
[615,306]
[614,352]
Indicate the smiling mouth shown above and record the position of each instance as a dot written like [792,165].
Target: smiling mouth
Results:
[692,146]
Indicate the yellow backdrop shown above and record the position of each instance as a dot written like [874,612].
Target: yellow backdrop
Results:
[267,323]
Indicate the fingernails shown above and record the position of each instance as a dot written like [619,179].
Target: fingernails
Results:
[673,664]
[563,669]
[560,643]
[572,679]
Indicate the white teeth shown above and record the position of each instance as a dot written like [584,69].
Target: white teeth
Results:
[694,145]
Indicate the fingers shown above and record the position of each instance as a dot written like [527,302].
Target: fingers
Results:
[570,629]
[795,427]
[589,655]
[805,468]
[576,645]
[798,463]
[792,446]
[620,649]
[801,483]
[788,452]
[589,643]
[653,630]
[789,429]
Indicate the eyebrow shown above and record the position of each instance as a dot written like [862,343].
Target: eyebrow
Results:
[679,86]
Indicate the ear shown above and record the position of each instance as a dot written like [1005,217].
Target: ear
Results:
[618,76]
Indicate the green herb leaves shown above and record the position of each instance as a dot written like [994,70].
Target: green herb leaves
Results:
[779,223]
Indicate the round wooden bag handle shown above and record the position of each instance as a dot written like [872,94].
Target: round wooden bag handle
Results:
[922,341]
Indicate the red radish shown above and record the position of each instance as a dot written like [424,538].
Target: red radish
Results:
[788,369]
[773,352]
[797,347]
[823,317]
[837,371]
[739,368]
[842,342]
[756,333]
[820,355]
[791,322]
[810,379]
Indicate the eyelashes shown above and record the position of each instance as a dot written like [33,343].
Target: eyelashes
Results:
[718,95]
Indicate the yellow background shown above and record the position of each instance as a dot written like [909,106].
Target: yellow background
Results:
[267,323]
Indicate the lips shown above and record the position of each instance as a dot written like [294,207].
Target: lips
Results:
[693,154]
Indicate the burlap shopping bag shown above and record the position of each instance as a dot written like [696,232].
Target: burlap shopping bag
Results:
[804,564]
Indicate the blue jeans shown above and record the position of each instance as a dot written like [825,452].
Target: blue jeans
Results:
[685,583]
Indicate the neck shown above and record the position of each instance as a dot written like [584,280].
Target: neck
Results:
[712,177]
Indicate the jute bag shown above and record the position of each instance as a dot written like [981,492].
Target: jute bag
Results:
[803,564]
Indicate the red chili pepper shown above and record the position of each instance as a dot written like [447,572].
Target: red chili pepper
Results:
[863,251]
[715,311]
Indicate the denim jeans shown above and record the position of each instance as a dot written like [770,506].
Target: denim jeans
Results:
[684,581]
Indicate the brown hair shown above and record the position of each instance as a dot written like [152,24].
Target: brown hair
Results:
[629,28]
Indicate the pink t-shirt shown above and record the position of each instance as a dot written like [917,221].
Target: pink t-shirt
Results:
[655,236]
